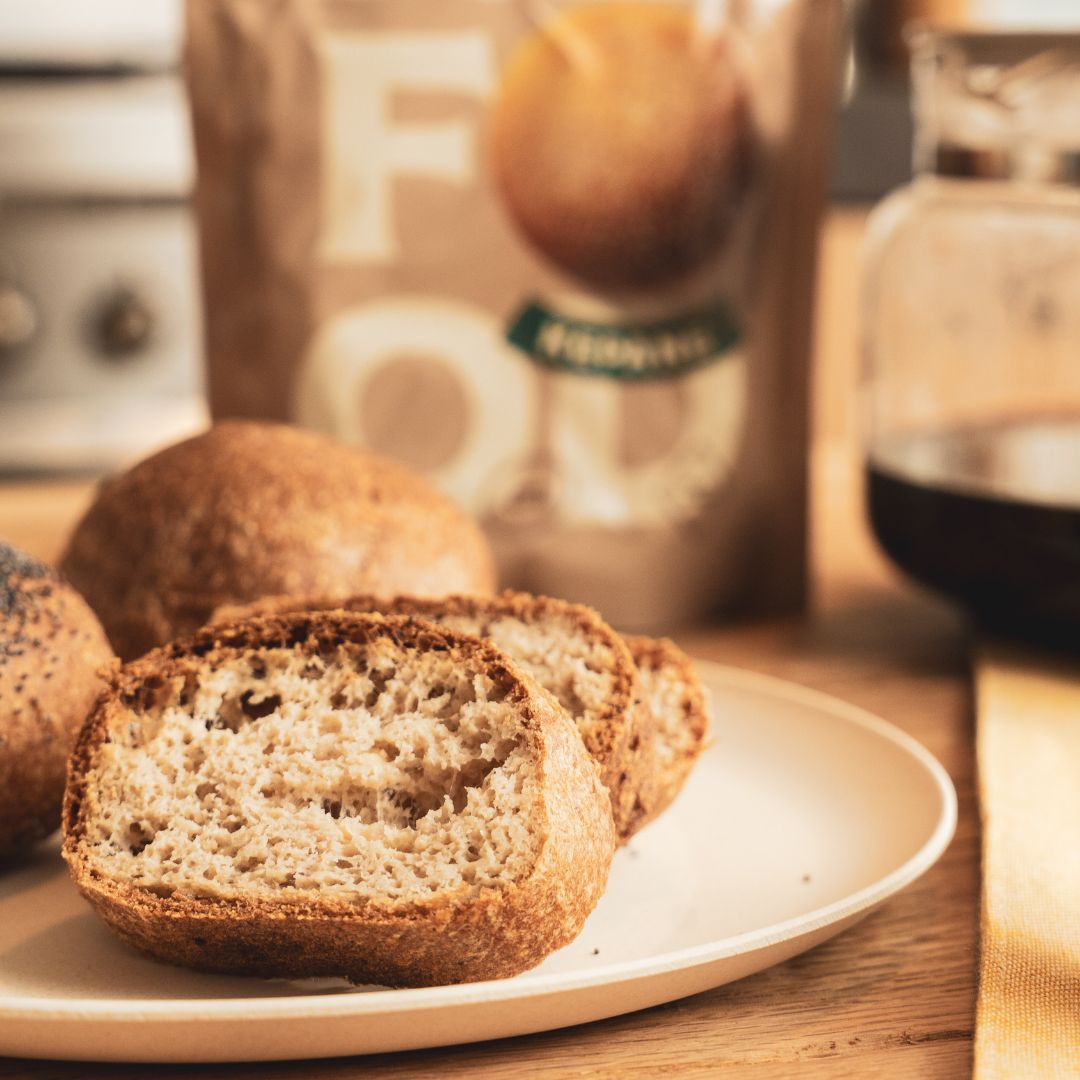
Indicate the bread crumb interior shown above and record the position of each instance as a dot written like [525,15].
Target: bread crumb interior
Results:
[362,772]
[575,666]
[664,693]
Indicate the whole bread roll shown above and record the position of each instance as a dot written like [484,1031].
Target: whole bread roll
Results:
[51,650]
[249,509]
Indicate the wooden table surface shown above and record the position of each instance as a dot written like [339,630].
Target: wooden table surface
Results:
[893,997]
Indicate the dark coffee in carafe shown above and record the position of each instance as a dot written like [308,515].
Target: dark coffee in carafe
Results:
[989,515]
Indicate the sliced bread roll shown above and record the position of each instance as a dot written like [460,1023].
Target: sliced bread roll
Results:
[640,709]
[336,794]
[676,703]
[567,648]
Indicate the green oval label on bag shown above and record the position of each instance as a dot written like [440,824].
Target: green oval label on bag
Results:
[627,351]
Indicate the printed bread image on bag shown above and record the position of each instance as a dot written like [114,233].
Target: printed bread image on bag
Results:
[558,256]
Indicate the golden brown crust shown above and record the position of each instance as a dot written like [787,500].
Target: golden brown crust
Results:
[613,739]
[684,735]
[456,937]
[51,648]
[252,509]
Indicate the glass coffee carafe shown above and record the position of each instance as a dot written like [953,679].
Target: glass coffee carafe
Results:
[971,333]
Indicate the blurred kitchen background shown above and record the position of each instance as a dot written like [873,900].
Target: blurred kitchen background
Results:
[100,354]
[100,335]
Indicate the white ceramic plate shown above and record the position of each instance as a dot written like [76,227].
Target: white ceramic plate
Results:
[805,815]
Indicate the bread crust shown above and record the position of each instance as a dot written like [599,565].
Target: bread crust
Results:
[614,740]
[51,650]
[464,936]
[249,509]
[667,772]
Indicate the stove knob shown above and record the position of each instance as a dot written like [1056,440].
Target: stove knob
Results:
[18,318]
[124,325]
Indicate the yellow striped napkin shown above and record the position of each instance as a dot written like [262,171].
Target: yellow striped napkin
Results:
[1028,717]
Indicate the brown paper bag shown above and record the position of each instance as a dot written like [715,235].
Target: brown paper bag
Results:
[559,256]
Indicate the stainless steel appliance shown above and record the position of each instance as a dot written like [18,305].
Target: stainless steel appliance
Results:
[100,334]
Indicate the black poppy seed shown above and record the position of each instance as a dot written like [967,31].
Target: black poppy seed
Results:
[17,567]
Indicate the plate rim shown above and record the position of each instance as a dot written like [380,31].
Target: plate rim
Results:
[308,1006]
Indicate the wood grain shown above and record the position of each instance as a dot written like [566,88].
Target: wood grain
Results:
[893,997]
